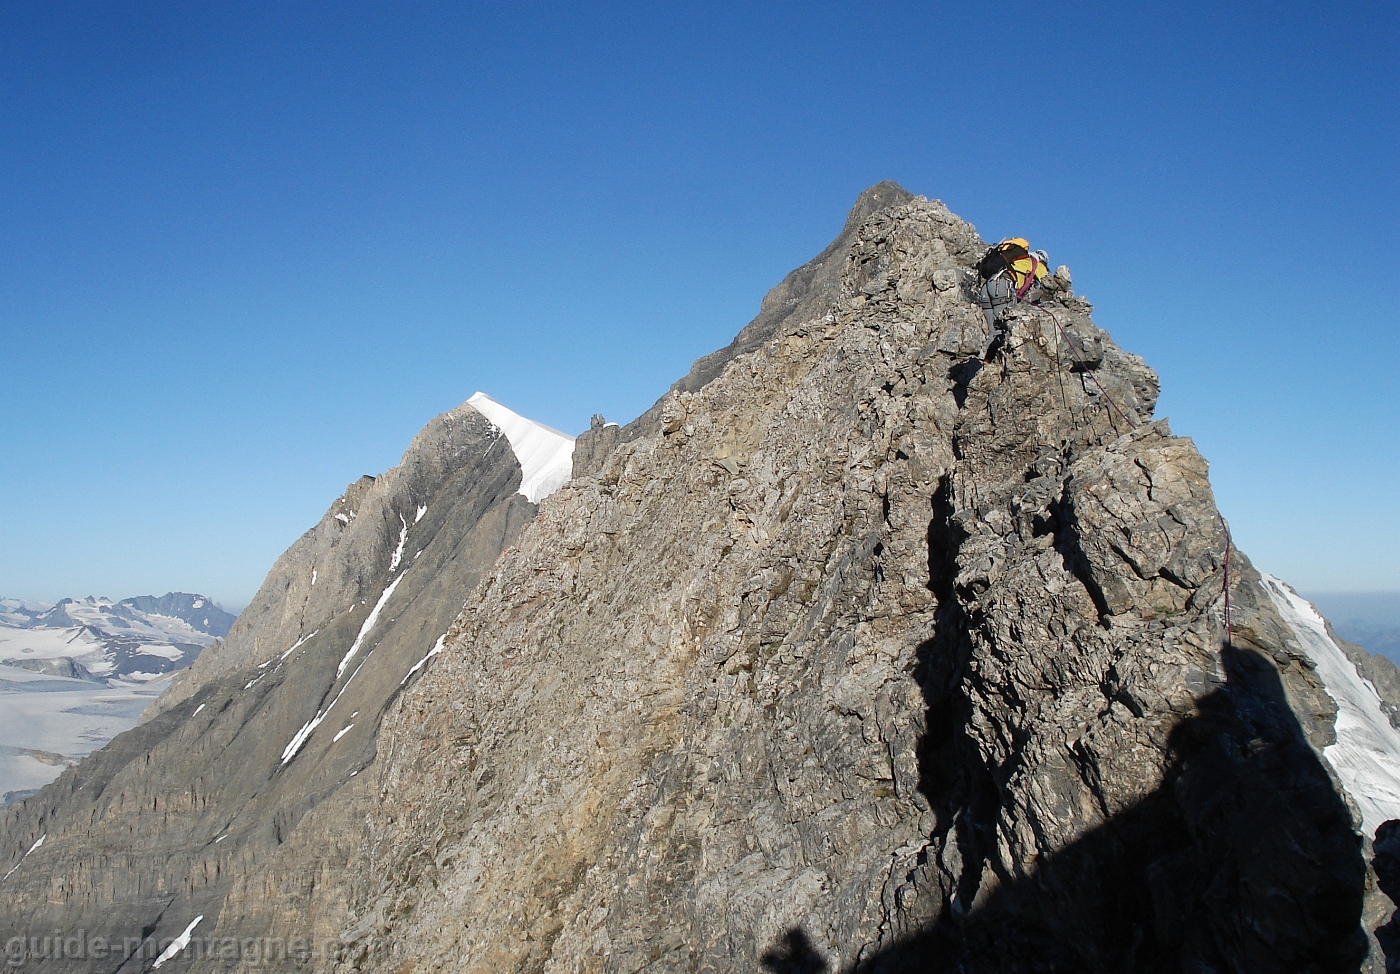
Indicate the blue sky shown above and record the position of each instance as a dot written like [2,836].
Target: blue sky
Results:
[247,250]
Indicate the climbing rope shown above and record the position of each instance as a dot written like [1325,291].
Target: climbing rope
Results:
[1229,545]
[1085,370]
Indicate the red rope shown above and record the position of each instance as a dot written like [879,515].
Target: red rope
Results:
[1229,635]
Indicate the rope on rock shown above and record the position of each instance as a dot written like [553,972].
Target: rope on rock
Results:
[1229,546]
[1084,367]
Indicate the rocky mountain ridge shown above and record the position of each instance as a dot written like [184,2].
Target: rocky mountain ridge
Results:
[853,653]
[233,755]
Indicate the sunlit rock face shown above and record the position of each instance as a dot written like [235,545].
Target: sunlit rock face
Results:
[159,826]
[853,653]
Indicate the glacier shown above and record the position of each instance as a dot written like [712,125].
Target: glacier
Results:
[1366,756]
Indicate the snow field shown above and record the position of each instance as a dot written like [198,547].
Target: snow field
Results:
[1366,756]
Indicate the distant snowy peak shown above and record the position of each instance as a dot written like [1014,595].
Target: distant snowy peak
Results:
[20,613]
[1366,755]
[137,639]
[546,455]
[193,618]
[198,610]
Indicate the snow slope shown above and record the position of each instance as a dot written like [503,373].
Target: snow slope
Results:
[47,723]
[546,455]
[1366,756]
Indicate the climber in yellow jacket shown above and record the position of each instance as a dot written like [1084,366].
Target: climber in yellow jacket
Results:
[1009,272]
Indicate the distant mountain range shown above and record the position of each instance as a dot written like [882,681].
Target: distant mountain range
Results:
[1380,640]
[76,673]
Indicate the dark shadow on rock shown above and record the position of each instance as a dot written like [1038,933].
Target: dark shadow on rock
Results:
[962,375]
[1387,866]
[1243,860]
[1064,525]
[795,956]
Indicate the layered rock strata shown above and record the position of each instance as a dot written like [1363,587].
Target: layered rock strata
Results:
[157,827]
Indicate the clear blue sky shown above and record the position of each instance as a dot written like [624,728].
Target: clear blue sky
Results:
[247,250]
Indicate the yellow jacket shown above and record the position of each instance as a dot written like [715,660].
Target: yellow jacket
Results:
[1026,269]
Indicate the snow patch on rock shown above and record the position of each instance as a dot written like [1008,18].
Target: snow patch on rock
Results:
[437,648]
[546,455]
[398,552]
[178,944]
[297,644]
[368,625]
[25,856]
[304,734]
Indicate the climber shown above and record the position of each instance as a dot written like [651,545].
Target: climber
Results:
[1009,272]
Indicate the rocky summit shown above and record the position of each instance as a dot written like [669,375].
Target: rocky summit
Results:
[854,653]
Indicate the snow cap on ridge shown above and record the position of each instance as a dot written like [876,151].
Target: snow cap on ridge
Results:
[546,455]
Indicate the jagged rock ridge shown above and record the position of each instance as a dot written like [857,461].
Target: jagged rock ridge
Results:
[852,653]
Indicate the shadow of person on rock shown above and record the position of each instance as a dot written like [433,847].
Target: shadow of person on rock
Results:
[795,956]
[1242,860]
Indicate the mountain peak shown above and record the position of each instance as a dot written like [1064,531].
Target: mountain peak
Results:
[545,454]
[872,200]
[855,652]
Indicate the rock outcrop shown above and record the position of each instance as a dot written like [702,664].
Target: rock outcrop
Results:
[853,653]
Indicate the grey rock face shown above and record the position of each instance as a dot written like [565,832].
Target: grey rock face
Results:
[346,559]
[861,655]
[593,447]
[168,820]
[853,653]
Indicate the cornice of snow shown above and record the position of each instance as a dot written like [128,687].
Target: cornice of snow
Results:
[546,455]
